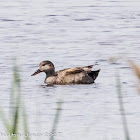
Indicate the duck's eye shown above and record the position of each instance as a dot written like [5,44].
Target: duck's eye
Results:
[43,64]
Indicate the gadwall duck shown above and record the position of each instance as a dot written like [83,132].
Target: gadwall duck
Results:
[78,75]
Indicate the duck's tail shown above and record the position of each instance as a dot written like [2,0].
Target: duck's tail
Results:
[94,74]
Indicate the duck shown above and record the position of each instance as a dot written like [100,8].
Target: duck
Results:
[77,75]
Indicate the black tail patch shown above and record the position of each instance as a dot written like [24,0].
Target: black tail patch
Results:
[94,74]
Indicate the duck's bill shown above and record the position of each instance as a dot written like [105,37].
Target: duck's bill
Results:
[37,72]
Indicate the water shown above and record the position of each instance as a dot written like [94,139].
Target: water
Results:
[73,33]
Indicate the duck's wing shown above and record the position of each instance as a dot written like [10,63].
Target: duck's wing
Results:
[87,68]
[75,70]
[69,71]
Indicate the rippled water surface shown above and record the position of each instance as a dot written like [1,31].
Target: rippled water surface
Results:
[72,33]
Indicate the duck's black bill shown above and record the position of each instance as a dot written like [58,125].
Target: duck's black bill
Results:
[37,72]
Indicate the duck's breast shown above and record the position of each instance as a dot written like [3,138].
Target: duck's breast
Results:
[50,80]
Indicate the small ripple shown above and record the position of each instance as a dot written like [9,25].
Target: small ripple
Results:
[105,43]
[19,36]
[97,6]
[124,82]
[125,67]
[57,15]
[137,26]
[75,116]
[83,19]
[124,114]
[29,24]
[69,102]
[115,63]
[106,31]
[102,60]
[52,15]
[8,20]
[44,86]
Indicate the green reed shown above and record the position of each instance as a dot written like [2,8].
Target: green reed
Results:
[17,110]
[56,119]
[122,109]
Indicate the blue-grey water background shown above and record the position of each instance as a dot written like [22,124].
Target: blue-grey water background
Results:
[72,33]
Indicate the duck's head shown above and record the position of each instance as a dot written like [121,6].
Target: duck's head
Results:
[47,67]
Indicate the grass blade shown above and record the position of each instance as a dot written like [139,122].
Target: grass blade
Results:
[4,120]
[25,122]
[56,119]
[122,110]
[16,102]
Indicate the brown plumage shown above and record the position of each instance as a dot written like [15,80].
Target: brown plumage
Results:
[78,75]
